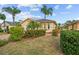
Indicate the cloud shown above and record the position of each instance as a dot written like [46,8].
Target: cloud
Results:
[21,16]
[24,15]
[30,5]
[78,18]
[69,6]
[54,14]
[21,5]
[57,7]
[35,6]
[64,12]
[0,10]
[34,9]
[1,21]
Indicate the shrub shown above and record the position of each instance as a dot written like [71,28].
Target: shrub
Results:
[1,30]
[16,33]
[34,33]
[3,42]
[69,42]
[55,32]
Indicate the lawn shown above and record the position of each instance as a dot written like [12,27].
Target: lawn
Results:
[45,45]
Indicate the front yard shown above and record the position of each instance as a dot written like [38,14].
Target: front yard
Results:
[45,45]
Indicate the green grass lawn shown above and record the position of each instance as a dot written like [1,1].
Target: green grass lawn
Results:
[45,45]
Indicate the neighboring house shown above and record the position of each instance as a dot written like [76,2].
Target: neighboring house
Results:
[74,25]
[49,25]
[8,25]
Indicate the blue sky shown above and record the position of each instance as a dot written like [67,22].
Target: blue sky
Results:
[61,12]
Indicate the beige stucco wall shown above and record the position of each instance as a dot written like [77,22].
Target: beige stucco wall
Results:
[52,25]
[77,25]
[25,24]
[69,27]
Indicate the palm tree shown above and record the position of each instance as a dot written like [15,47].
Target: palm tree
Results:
[33,25]
[46,11]
[59,25]
[13,11]
[3,17]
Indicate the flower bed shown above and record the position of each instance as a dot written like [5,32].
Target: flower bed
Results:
[34,33]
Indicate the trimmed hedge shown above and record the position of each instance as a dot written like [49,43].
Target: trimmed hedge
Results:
[3,42]
[34,33]
[69,42]
[16,33]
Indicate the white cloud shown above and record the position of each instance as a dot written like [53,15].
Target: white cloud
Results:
[57,7]
[24,15]
[69,6]
[64,12]
[54,14]
[8,17]
[1,21]
[78,18]
[20,5]
[34,9]
[0,10]
[30,5]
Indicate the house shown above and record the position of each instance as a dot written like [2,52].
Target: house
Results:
[47,24]
[8,25]
[73,25]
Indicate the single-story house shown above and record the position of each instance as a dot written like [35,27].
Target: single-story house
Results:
[8,25]
[74,25]
[47,24]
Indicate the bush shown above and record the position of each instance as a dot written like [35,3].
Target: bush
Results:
[55,32]
[16,33]
[69,42]
[1,30]
[3,42]
[34,33]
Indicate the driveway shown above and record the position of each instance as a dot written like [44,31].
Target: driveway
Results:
[4,36]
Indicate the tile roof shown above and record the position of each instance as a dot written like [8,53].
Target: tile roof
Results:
[11,23]
[40,20]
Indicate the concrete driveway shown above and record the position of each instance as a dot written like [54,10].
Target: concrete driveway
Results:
[4,36]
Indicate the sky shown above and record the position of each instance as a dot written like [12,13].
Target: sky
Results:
[61,12]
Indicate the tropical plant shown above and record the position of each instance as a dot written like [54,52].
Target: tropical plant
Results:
[59,25]
[16,33]
[33,25]
[13,11]
[46,11]
[3,17]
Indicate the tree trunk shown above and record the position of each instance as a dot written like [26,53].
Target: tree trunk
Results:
[44,16]
[14,20]
[4,26]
